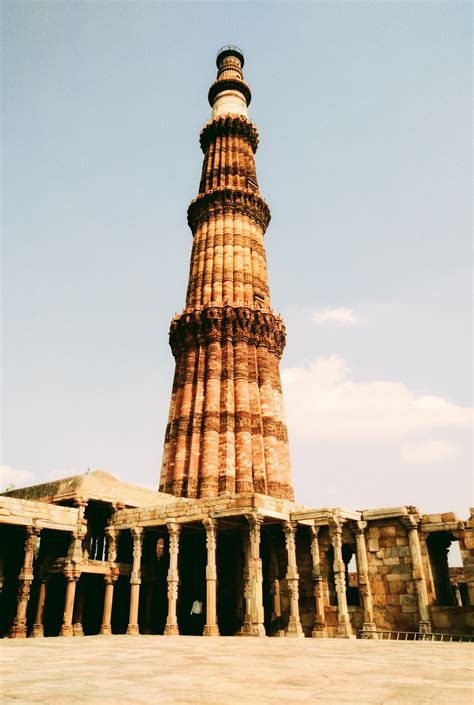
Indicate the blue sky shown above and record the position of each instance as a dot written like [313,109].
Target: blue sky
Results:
[364,117]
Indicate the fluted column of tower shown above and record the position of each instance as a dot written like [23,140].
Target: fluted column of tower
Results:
[226,430]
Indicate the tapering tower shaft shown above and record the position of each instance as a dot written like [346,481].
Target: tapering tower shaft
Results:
[226,430]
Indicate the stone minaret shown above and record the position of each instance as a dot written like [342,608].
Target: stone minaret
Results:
[226,430]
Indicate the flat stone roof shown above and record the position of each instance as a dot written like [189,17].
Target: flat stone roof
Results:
[96,485]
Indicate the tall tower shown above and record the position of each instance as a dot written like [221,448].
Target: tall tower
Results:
[226,430]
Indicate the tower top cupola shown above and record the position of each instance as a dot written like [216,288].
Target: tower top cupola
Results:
[229,94]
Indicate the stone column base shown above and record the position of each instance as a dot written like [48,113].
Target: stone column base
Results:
[424,627]
[171,630]
[257,630]
[344,631]
[77,629]
[294,630]
[368,631]
[319,631]
[244,630]
[38,631]
[105,629]
[133,629]
[66,630]
[18,631]
[211,630]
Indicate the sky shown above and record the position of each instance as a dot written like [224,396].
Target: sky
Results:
[363,110]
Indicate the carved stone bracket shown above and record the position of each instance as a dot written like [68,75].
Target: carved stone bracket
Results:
[216,323]
[219,202]
[227,125]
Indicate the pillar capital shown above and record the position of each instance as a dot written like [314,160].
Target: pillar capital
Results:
[137,532]
[254,519]
[210,524]
[410,521]
[360,527]
[72,574]
[111,578]
[211,530]
[335,527]
[289,527]
[173,528]
[111,532]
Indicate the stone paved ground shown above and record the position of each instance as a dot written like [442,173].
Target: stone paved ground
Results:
[209,671]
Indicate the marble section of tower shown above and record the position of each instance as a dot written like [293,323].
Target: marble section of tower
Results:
[226,430]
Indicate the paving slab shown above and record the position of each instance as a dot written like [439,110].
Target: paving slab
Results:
[186,670]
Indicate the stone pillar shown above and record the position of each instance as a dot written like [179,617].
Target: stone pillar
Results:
[112,537]
[110,580]
[38,627]
[135,579]
[410,522]
[72,575]
[211,627]
[77,612]
[255,577]
[294,627]
[457,594]
[344,629]
[319,624]
[245,628]
[18,629]
[171,627]
[368,628]
[79,549]
[275,591]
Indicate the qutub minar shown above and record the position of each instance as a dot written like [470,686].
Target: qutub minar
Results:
[223,548]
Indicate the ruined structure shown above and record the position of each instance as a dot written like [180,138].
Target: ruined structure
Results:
[89,554]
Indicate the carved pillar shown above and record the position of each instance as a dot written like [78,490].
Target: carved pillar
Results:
[18,629]
[368,628]
[110,580]
[38,628]
[319,624]
[211,627]
[410,522]
[112,538]
[77,612]
[344,629]
[245,628]
[294,627]
[76,551]
[72,574]
[171,627]
[80,548]
[457,594]
[135,579]
[275,591]
[255,577]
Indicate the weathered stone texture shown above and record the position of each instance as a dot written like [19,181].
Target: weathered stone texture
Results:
[226,431]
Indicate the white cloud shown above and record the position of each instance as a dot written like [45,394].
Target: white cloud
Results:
[12,476]
[374,443]
[323,402]
[429,451]
[341,316]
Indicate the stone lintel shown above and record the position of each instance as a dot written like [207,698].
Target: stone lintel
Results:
[442,526]
[322,516]
[384,513]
